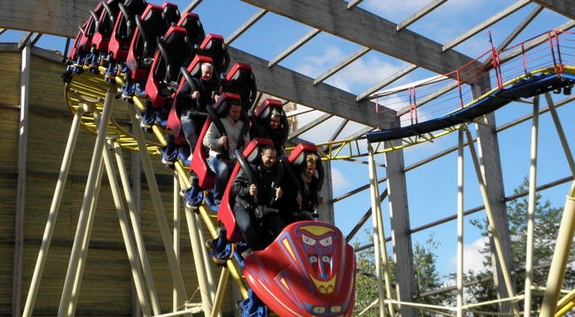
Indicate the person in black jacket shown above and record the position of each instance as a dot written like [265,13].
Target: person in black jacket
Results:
[192,100]
[309,182]
[302,198]
[258,192]
[271,122]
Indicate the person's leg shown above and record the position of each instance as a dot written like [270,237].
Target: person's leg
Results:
[272,227]
[189,129]
[222,176]
[248,227]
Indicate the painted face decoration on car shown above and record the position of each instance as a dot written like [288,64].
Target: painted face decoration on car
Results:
[318,242]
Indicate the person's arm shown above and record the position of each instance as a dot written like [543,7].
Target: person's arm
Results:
[183,98]
[195,88]
[241,186]
[212,138]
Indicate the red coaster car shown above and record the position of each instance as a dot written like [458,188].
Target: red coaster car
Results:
[153,23]
[173,51]
[83,41]
[199,164]
[174,123]
[104,25]
[241,80]
[226,214]
[194,28]
[213,46]
[124,28]
[309,270]
[261,123]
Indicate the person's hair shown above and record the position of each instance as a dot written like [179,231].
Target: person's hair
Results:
[311,158]
[207,65]
[267,147]
[275,113]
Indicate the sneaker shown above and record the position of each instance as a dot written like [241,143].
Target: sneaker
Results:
[167,163]
[221,249]
[243,249]
[212,202]
[194,197]
[252,306]
[169,155]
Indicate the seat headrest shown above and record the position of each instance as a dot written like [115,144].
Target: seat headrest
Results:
[195,66]
[152,11]
[170,13]
[253,149]
[266,108]
[298,155]
[225,101]
[213,42]
[238,70]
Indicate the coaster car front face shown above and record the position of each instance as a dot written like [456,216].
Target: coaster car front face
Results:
[309,270]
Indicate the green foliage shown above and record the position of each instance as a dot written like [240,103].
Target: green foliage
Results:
[547,220]
[366,282]
[427,278]
[479,285]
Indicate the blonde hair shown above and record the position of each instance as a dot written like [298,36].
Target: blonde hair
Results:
[310,159]
[275,113]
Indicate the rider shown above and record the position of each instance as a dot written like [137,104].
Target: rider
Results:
[223,144]
[258,192]
[199,95]
[270,122]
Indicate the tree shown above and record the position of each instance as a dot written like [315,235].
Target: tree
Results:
[479,285]
[427,278]
[547,220]
[366,290]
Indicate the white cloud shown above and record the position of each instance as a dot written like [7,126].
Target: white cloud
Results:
[360,74]
[472,258]
[407,7]
[340,182]
[330,55]
[396,7]
[313,65]
[363,73]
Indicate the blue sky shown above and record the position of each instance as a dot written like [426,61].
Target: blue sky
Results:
[432,189]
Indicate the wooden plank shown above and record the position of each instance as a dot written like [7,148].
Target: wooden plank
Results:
[10,79]
[57,17]
[367,29]
[562,7]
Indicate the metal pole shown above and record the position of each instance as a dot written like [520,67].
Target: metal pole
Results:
[86,239]
[381,258]
[202,261]
[83,221]
[565,235]
[491,220]
[21,181]
[560,133]
[560,256]
[460,226]
[137,230]
[531,208]
[53,214]
[125,230]
[159,208]
[219,297]
[176,236]
[198,250]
